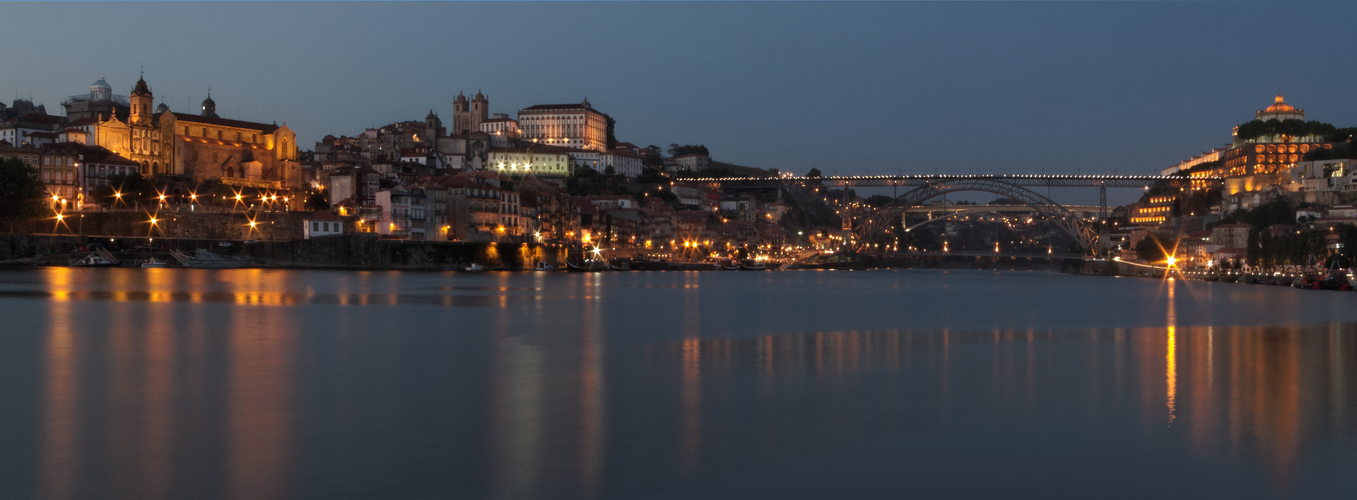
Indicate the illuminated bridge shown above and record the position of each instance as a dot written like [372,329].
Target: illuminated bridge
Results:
[864,224]
[1033,180]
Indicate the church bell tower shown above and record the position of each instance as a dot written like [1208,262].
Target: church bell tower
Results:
[141,100]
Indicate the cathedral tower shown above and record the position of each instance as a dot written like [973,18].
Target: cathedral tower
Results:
[461,119]
[480,111]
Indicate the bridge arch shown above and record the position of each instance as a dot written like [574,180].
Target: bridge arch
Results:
[1063,218]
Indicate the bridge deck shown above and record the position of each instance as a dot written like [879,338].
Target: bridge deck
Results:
[1112,181]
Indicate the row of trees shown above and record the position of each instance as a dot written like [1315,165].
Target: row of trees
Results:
[1295,128]
[22,196]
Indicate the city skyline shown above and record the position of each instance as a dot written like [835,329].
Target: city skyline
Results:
[880,88]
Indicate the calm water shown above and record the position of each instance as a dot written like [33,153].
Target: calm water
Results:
[252,384]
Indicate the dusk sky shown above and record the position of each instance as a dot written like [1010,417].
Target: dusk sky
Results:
[845,87]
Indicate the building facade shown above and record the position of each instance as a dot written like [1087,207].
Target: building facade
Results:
[569,125]
[467,116]
[198,147]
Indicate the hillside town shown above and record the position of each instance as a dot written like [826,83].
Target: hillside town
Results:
[558,175]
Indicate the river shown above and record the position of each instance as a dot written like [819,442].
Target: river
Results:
[259,384]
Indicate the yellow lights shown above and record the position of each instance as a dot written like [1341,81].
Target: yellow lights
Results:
[60,217]
[154,221]
[193,196]
[1171,261]
[117,195]
[253,224]
[56,198]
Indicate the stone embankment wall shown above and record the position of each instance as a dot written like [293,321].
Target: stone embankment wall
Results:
[220,226]
[368,252]
[332,252]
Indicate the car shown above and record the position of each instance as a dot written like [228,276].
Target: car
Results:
[252,242]
[224,244]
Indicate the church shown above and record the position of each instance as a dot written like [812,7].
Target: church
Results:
[196,148]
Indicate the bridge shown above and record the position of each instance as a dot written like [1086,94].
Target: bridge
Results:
[863,224]
[1024,180]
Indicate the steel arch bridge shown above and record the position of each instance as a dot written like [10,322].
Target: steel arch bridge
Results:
[867,224]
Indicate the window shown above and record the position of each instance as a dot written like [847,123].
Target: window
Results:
[315,226]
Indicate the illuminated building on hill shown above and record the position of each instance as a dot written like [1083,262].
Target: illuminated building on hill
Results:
[197,147]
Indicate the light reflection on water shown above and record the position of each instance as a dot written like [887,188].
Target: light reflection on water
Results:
[165,385]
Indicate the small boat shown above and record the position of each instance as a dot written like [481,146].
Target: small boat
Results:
[543,265]
[94,260]
[590,266]
[153,263]
[1337,280]
[203,259]
[1309,280]
[753,266]
[474,268]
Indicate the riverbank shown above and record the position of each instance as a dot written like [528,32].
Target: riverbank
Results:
[361,251]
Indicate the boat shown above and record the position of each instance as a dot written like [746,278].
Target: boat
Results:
[474,268]
[203,259]
[95,260]
[543,265]
[153,263]
[620,264]
[753,266]
[589,266]
[1309,280]
[1336,280]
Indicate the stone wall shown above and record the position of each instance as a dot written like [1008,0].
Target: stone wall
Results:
[220,226]
[364,251]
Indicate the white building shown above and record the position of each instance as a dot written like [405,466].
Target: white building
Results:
[623,162]
[692,162]
[322,223]
[568,125]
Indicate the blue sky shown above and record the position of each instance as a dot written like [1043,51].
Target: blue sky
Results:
[845,87]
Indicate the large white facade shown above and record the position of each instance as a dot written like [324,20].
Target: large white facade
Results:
[568,125]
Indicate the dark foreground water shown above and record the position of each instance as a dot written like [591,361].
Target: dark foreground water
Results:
[252,384]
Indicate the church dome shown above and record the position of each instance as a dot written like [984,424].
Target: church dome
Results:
[1280,106]
[460,97]
[478,97]
[1280,110]
[162,108]
[209,107]
[101,84]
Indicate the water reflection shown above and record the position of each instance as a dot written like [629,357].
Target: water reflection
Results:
[1262,392]
[208,385]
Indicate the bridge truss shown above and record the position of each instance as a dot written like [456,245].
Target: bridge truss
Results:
[1034,180]
[866,223]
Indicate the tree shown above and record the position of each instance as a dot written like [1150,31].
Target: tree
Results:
[318,201]
[21,194]
[133,188]
[1151,249]
[814,173]
[612,136]
[878,200]
[688,149]
[1253,252]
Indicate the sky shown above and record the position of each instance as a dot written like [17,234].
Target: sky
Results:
[849,88]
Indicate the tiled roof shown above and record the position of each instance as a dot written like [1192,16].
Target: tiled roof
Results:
[222,122]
